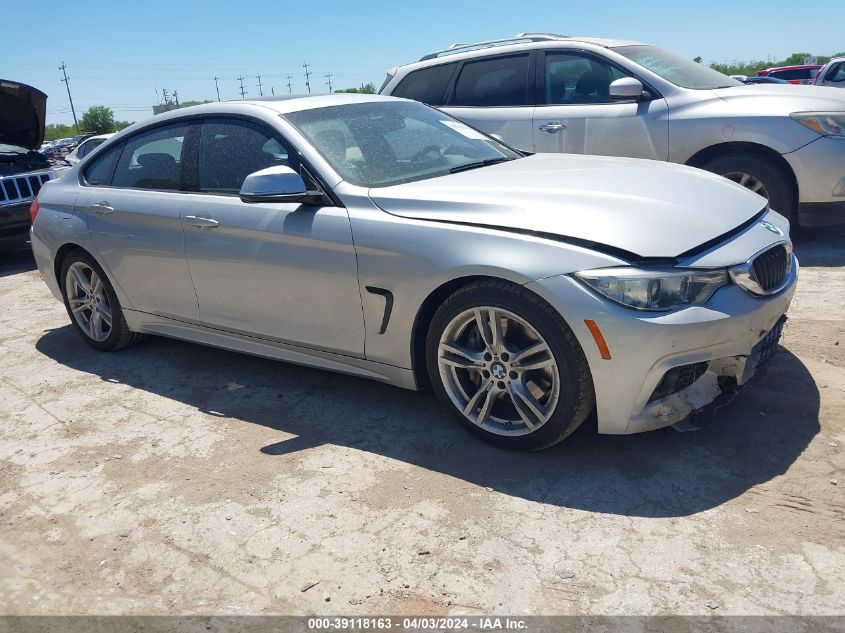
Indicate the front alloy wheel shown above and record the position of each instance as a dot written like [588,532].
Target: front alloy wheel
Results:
[507,364]
[498,371]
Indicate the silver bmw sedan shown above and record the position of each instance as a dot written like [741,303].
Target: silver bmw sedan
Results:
[382,238]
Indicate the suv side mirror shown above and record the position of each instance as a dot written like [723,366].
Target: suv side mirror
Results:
[626,88]
[274,184]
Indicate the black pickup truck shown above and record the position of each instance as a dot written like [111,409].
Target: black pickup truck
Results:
[22,169]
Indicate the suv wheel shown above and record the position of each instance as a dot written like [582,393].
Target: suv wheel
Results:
[760,175]
[505,362]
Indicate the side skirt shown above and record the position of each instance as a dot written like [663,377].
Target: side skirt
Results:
[163,326]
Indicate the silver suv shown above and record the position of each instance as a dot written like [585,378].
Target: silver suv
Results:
[550,93]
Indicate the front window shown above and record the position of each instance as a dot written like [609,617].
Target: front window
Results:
[679,70]
[379,144]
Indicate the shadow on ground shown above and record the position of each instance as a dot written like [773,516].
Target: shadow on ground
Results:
[18,260]
[820,246]
[663,473]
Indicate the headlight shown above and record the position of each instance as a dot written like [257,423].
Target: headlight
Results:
[825,123]
[654,289]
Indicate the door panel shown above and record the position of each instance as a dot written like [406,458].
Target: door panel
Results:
[578,116]
[131,206]
[284,271]
[139,237]
[513,124]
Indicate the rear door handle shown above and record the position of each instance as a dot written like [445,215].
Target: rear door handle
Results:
[196,220]
[102,208]
[552,126]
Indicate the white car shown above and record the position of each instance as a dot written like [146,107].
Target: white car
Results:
[832,73]
[86,147]
[550,93]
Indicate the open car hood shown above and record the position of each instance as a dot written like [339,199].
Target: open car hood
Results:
[22,113]
[646,208]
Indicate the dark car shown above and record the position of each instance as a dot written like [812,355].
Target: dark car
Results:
[763,80]
[22,169]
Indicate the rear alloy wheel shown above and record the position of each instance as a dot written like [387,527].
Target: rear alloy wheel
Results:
[506,363]
[93,305]
[760,175]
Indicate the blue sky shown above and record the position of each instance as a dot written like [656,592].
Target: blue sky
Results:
[119,53]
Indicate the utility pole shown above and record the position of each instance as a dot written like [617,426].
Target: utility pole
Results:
[166,98]
[272,91]
[290,89]
[329,78]
[217,87]
[307,75]
[243,92]
[260,90]
[67,85]
[176,98]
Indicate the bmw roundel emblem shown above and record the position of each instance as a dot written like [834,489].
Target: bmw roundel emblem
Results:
[771,227]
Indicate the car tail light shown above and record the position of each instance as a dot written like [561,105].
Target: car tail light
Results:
[33,210]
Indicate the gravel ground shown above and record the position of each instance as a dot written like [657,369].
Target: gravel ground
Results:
[172,478]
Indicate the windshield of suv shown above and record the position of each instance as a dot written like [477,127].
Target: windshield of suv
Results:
[378,144]
[679,70]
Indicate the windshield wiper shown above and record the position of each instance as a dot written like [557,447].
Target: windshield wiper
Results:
[481,163]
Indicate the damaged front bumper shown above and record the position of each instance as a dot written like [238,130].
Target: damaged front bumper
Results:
[715,347]
[721,377]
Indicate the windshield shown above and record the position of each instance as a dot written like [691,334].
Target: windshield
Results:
[378,144]
[679,70]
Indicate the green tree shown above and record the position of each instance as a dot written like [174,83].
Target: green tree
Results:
[697,60]
[98,119]
[367,89]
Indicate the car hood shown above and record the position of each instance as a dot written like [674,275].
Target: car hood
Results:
[22,113]
[644,208]
[786,98]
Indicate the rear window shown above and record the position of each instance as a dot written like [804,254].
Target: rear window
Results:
[501,81]
[101,169]
[426,85]
[836,74]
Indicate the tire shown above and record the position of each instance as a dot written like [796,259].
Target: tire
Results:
[470,371]
[99,298]
[775,179]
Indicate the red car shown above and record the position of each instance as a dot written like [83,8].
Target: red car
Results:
[803,74]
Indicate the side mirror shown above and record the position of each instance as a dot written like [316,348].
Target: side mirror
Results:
[626,88]
[274,184]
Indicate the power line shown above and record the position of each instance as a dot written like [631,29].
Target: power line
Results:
[217,87]
[243,92]
[307,75]
[290,89]
[67,85]
[260,90]
[329,80]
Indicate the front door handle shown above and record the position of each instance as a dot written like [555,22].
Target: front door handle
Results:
[552,126]
[196,220]
[102,208]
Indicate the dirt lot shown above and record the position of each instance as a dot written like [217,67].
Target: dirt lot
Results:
[172,478]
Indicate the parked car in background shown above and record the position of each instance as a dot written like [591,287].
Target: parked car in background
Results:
[86,147]
[550,93]
[832,74]
[22,169]
[763,80]
[382,238]
[801,74]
